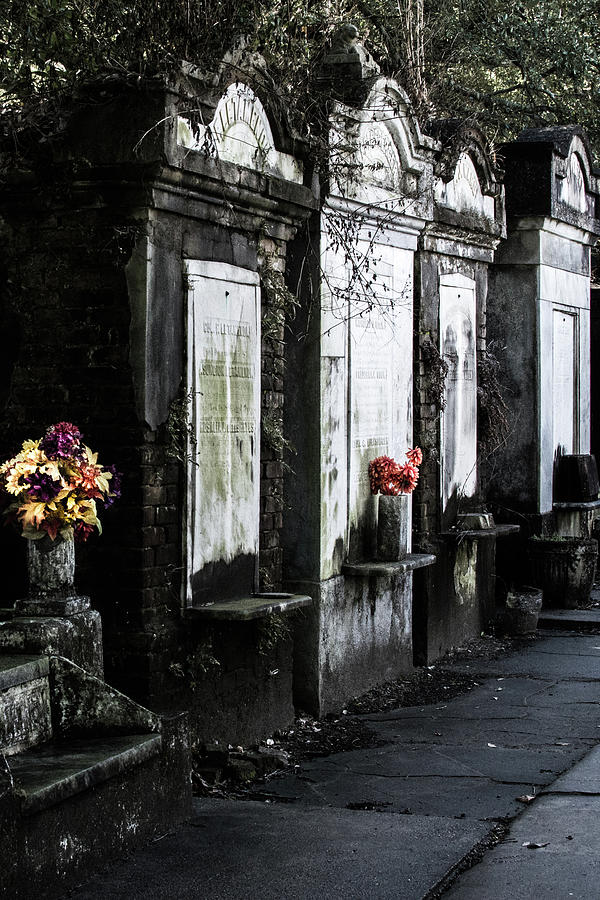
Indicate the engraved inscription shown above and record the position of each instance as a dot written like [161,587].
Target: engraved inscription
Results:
[224,379]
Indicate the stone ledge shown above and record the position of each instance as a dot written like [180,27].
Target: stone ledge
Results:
[246,608]
[386,569]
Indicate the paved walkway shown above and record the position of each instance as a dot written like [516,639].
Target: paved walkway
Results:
[421,814]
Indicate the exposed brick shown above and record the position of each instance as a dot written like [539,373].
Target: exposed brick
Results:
[274,470]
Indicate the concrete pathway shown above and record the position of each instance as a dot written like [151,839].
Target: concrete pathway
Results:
[411,819]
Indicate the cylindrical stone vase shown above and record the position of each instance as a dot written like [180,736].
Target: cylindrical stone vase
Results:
[51,575]
[393,527]
[50,568]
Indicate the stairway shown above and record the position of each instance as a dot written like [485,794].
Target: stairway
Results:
[86,775]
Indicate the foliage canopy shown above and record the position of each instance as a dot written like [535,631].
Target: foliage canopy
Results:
[506,64]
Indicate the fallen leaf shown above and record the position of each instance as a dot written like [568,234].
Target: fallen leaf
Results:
[533,845]
[526,798]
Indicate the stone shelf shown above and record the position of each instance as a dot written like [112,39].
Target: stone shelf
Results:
[504,530]
[385,569]
[581,504]
[497,531]
[245,608]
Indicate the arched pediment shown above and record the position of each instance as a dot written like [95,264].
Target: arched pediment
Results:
[463,192]
[388,103]
[377,156]
[239,133]
[377,152]
[576,185]
[572,189]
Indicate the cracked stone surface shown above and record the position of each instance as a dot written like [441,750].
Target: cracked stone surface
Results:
[474,755]
[403,819]
[232,850]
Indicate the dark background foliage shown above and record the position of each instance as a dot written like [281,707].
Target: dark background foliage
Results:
[508,65]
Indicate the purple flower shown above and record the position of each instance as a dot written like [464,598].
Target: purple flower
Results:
[62,441]
[42,486]
[115,486]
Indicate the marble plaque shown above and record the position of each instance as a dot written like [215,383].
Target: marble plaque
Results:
[223,345]
[380,382]
[563,380]
[459,418]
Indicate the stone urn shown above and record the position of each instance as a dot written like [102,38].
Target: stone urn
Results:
[521,610]
[50,567]
[51,576]
[393,527]
[564,568]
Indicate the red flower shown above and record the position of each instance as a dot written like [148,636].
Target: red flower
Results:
[387,477]
[415,456]
[82,532]
[51,526]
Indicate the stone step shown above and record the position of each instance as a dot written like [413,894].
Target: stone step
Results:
[572,619]
[69,806]
[54,772]
[25,718]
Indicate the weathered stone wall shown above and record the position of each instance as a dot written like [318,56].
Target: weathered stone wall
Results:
[94,294]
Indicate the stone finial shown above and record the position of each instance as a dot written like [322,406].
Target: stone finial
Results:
[347,64]
[345,39]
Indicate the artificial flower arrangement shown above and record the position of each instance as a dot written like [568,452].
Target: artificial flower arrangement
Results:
[54,486]
[386,476]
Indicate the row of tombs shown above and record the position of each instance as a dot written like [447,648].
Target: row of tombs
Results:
[243,326]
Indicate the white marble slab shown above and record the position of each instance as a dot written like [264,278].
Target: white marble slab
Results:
[564,329]
[380,367]
[223,345]
[459,418]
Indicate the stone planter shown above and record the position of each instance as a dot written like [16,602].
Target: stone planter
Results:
[393,527]
[51,576]
[564,569]
[521,610]
[50,567]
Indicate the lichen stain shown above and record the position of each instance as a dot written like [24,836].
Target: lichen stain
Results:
[465,572]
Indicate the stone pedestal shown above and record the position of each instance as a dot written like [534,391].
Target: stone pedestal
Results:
[53,619]
[393,527]
[51,574]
